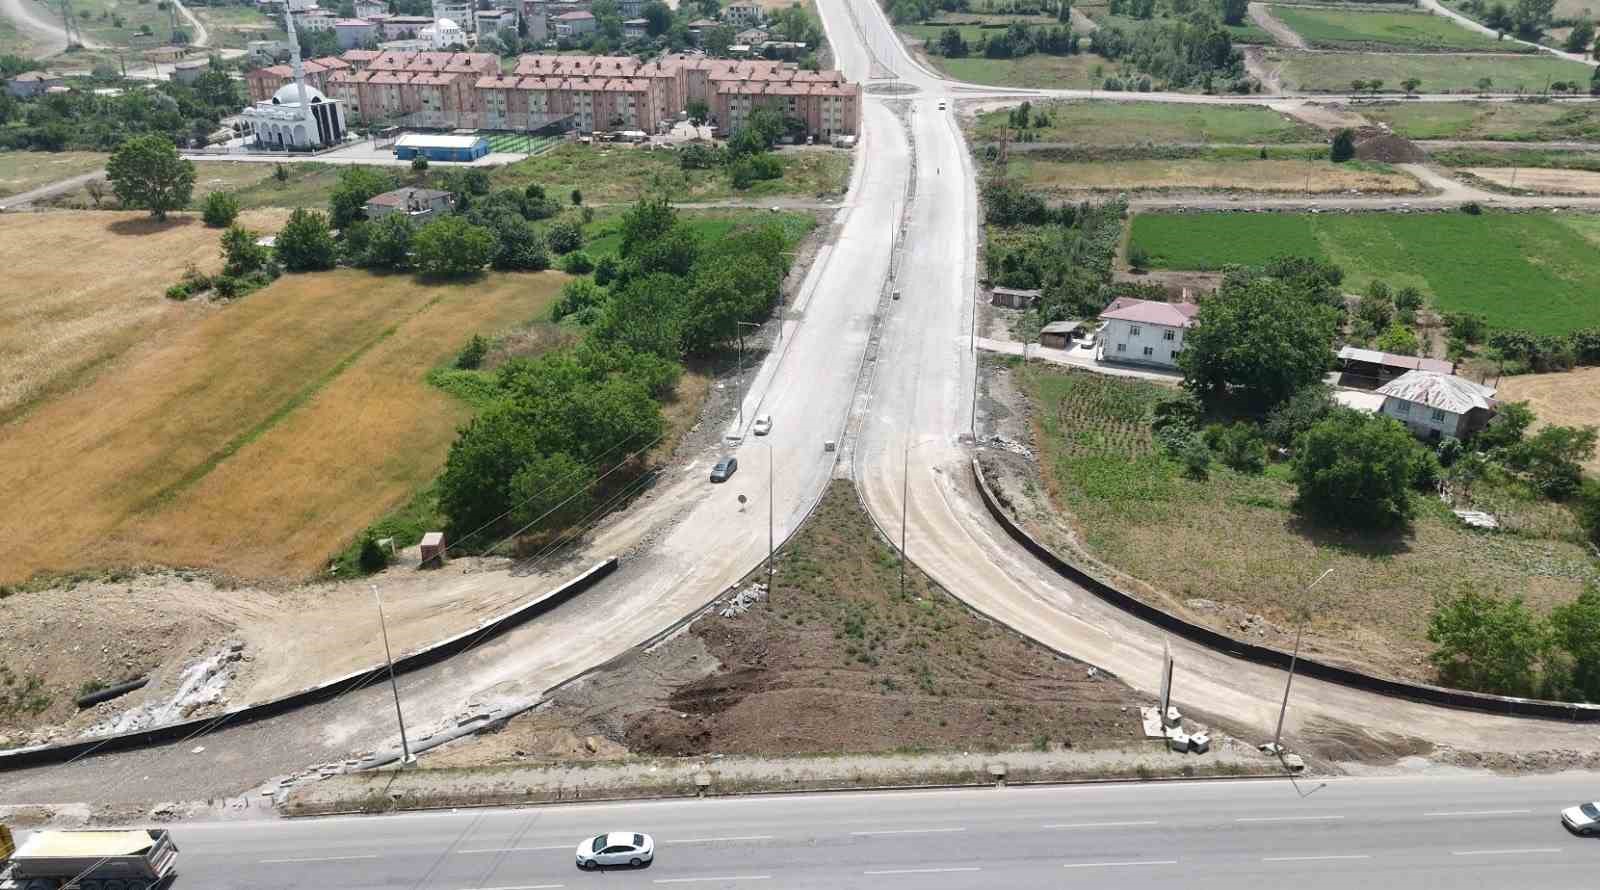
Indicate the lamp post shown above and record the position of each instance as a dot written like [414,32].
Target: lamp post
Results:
[405,748]
[740,326]
[1277,735]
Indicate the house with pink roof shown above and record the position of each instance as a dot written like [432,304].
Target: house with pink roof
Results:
[1145,332]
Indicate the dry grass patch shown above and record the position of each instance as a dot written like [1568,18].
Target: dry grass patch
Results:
[22,171]
[1565,398]
[1202,174]
[84,287]
[1560,182]
[119,470]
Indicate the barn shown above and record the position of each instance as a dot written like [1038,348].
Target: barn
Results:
[441,148]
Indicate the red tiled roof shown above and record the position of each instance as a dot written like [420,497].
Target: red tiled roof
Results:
[1174,315]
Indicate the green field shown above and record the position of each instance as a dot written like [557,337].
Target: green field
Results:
[1439,72]
[1516,157]
[1510,121]
[1359,29]
[603,237]
[1526,271]
[98,19]
[1247,32]
[1035,72]
[1129,123]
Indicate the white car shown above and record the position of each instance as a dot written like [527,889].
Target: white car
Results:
[1582,819]
[763,425]
[616,848]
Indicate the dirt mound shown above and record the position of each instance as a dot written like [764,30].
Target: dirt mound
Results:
[1388,148]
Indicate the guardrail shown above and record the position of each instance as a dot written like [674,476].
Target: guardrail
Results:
[1276,658]
[41,755]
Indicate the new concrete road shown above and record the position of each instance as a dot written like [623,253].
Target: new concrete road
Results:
[1414,833]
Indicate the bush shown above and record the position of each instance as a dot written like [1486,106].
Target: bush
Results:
[179,292]
[1239,447]
[471,355]
[1356,470]
[372,558]
[220,210]
[389,242]
[451,247]
[1485,643]
[419,164]
[564,236]
[226,286]
[1344,146]
[241,254]
[577,263]
[306,244]
[605,271]
[1138,257]
[1553,458]
[1472,208]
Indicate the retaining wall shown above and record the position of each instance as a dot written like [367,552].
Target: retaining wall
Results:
[173,732]
[1265,655]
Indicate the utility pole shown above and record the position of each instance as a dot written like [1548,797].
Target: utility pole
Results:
[1277,735]
[405,748]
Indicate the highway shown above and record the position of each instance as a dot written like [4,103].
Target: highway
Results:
[1416,833]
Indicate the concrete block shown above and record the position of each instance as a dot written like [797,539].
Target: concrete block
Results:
[1178,741]
[1173,717]
[1200,742]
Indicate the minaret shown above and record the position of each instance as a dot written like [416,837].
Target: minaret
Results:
[294,61]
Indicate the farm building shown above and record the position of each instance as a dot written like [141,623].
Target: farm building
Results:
[1060,334]
[1014,298]
[1146,332]
[419,204]
[441,148]
[33,83]
[1434,405]
[1369,368]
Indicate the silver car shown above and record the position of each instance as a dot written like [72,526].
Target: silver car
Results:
[616,848]
[1583,819]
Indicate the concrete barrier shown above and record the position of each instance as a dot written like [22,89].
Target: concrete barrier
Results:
[1277,658]
[42,755]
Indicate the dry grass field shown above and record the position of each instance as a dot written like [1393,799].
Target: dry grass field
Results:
[1565,398]
[84,287]
[254,440]
[1254,175]
[22,171]
[1557,182]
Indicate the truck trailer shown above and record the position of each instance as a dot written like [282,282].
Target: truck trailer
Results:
[134,859]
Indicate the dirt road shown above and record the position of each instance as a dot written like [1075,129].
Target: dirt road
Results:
[36,22]
[23,199]
[1279,31]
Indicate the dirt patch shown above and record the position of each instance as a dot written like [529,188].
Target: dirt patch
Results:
[1328,117]
[1564,398]
[1553,182]
[1280,32]
[1389,149]
[1332,740]
[1176,281]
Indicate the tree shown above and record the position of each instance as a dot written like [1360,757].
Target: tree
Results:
[1301,412]
[451,247]
[1373,86]
[645,316]
[1485,643]
[1239,446]
[306,243]
[1410,85]
[577,263]
[1355,470]
[1234,11]
[241,255]
[1531,16]
[1358,86]
[347,202]
[1505,429]
[1553,458]
[487,453]
[715,41]
[657,18]
[951,45]
[419,165]
[471,355]
[220,209]
[1581,38]
[146,172]
[577,198]
[1343,147]
[389,242]
[698,111]
[1594,79]
[1257,342]
[1575,627]
[564,236]
[519,245]
[1399,340]
[1485,84]
[552,492]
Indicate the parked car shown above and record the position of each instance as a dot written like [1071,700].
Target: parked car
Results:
[724,468]
[616,848]
[941,104]
[763,425]
[1582,819]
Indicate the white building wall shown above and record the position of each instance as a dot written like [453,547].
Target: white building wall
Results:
[1141,343]
[1422,420]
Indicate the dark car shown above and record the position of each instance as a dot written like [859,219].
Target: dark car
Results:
[724,468]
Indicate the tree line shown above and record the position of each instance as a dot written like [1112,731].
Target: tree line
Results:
[81,119]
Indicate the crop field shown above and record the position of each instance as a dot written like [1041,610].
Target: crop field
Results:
[1134,509]
[1526,271]
[1036,71]
[1205,174]
[256,438]
[1440,73]
[22,171]
[1327,28]
[1549,182]
[1128,123]
[612,174]
[1510,121]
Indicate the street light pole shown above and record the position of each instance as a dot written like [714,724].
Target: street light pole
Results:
[741,325]
[1277,735]
[405,748]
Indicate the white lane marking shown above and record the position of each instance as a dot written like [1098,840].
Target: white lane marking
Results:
[1288,818]
[523,887]
[1120,864]
[316,859]
[1312,858]
[1480,813]
[1505,852]
[908,831]
[919,871]
[518,849]
[1100,824]
[721,878]
[713,840]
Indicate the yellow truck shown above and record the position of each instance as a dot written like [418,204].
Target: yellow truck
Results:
[133,859]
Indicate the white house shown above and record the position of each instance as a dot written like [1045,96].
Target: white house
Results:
[418,203]
[1434,405]
[443,34]
[1146,332]
[743,15]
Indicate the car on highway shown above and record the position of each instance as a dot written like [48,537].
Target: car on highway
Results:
[763,425]
[1582,819]
[629,848]
[724,468]
[941,104]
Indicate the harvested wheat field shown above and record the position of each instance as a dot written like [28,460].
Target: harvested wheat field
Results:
[1199,174]
[1564,398]
[1557,182]
[85,286]
[258,439]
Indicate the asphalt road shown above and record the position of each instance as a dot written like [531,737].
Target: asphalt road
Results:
[1435,832]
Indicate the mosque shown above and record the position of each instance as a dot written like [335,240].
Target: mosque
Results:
[298,117]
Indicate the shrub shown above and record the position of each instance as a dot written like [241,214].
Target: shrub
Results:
[220,210]
[1138,257]
[1343,147]
[1472,208]
[419,164]
[577,263]
[564,236]
[241,255]
[451,247]
[226,286]
[605,271]
[471,355]
[1239,447]
[179,292]
[306,244]
[372,558]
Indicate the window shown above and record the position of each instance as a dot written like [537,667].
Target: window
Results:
[1122,347]
[1402,407]
[1133,331]
[1169,335]
[1438,415]
[1149,350]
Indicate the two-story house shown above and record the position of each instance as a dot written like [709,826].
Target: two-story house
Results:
[1146,332]
[1434,405]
